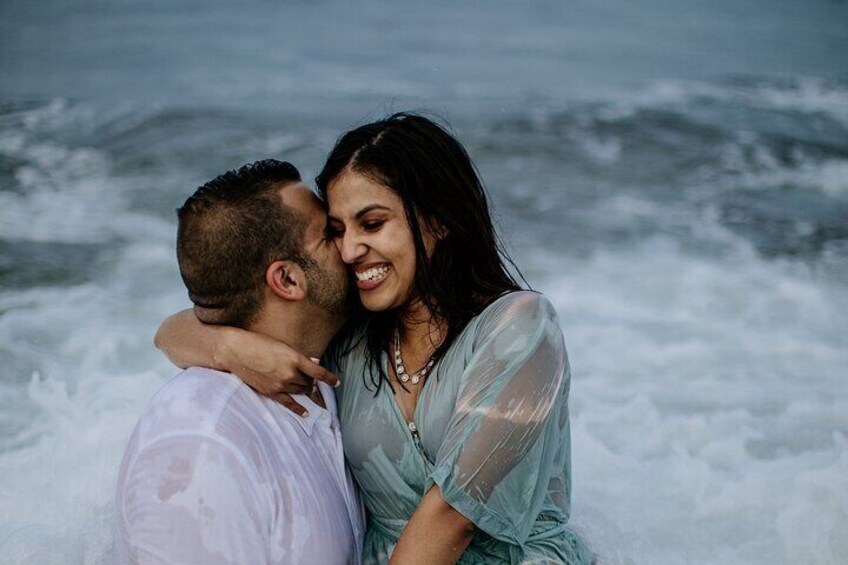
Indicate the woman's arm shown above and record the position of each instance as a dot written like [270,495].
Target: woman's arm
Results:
[268,366]
[187,342]
[435,534]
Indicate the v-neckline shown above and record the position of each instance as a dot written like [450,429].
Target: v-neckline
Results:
[396,405]
[409,428]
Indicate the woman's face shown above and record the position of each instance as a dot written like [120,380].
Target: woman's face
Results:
[368,223]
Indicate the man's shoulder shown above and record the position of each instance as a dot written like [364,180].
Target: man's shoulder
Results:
[192,402]
[198,380]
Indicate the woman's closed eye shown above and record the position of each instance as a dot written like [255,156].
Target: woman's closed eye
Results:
[337,230]
[373,225]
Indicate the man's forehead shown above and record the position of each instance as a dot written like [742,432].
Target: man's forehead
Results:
[299,197]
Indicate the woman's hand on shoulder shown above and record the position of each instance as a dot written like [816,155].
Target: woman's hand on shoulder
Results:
[272,368]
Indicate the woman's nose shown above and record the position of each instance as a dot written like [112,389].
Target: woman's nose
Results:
[350,248]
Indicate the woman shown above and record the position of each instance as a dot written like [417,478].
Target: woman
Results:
[455,382]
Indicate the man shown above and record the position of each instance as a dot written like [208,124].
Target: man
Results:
[214,472]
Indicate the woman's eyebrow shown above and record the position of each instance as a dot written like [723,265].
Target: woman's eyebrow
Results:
[369,208]
[362,212]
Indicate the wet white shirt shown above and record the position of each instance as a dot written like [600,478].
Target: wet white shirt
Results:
[215,473]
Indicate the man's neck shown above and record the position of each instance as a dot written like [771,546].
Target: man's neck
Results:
[306,330]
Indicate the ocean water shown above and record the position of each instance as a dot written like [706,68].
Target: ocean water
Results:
[673,175]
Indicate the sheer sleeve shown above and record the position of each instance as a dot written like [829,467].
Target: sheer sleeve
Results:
[190,499]
[507,442]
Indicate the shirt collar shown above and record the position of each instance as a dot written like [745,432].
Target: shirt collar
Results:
[315,411]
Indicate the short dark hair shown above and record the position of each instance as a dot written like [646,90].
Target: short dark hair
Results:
[433,175]
[229,231]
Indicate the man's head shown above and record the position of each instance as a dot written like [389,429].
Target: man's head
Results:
[256,234]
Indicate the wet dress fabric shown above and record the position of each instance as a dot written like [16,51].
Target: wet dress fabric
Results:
[493,435]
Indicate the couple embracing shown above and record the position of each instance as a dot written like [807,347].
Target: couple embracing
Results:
[450,408]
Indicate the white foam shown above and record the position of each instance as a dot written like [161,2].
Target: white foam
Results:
[57,492]
[64,195]
[756,167]
[809,95]
[92,344]
[703,399]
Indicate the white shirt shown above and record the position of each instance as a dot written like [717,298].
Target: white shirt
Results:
[215,473]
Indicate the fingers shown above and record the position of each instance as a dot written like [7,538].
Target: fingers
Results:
[289,402]
[301,384]
[298,384]
[312,369]
[296,388]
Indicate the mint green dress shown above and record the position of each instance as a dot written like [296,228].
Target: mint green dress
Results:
[493,434]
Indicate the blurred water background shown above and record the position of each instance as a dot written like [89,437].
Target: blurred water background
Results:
[672,173]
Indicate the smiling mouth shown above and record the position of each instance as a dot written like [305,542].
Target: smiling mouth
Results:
[370,278]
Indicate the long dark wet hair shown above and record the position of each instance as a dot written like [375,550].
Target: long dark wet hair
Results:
[434,177]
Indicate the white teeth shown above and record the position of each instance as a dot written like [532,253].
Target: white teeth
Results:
[372,274]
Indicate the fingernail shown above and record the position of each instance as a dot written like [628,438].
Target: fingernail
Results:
[305,414]
[315,360]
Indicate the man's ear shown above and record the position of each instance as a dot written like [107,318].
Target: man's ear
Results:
[286,279]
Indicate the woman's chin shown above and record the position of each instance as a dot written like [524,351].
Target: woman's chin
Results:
[379,300]
[374,302]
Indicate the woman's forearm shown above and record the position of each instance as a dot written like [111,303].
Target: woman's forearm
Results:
[435,535]
[188,342]
[268,366]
